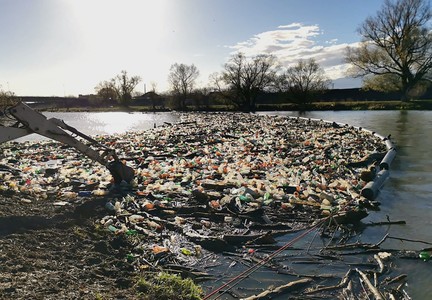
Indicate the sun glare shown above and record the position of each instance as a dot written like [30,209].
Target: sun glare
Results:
[120,35]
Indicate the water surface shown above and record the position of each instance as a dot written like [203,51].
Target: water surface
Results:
[407,195]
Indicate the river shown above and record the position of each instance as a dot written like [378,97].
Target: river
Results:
[405,196]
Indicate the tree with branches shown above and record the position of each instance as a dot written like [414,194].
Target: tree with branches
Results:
[182,80]
[105,91]
[243,78]
[122,86]
[304,81]
[7,98]
[396,50]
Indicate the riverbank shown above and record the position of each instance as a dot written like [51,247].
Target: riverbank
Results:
[231,182]
[315,106]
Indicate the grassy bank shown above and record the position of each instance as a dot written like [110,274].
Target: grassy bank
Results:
[355,105]
[315,106]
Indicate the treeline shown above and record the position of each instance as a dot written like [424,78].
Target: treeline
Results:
[213,100]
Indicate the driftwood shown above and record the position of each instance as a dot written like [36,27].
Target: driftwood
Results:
[377,294]
[348,292]
[341,284]
[280,289]
[380,264]
[394,280]
[358,245]
[237,239]
[320,276]
[386,223]
[367,161]
[352,246]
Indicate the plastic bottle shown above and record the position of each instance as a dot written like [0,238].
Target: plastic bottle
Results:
[84,193]
[99,192]
[109,206]
[425,255]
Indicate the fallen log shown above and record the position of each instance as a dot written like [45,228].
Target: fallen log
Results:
[280,289]
[367,161]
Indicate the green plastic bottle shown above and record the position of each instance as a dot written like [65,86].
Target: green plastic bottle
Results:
[425,255]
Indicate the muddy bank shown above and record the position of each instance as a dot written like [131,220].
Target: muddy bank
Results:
[213,183]
[51,253]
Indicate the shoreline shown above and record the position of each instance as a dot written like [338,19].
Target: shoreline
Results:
[315,106]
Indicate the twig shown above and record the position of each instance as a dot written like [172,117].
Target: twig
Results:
[370,286]
[381,241]
[380,264]
[386,223]
[409,240]
[394,280]
[342,283]
[348,293]
[286,272]
[392,297]
[363,287]
[316,233]
[280,289]
[352,246]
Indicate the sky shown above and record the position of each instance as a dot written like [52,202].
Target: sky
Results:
[66,47]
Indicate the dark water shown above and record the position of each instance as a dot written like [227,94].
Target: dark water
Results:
[407,195]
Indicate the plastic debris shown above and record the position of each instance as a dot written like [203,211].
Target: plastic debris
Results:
[208,176]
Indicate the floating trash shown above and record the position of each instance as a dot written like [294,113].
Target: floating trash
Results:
[213,178]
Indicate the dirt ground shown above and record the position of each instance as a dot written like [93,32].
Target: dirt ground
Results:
[49,252]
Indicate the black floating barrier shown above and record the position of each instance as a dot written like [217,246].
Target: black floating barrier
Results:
[371,189]
[388,158]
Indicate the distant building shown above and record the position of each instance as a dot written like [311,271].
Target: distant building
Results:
[150,99]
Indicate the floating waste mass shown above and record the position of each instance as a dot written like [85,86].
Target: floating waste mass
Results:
[210,182]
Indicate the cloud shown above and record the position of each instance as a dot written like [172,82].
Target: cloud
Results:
[292,42]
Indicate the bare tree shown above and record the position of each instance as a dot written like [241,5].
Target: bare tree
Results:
[397,43]
[105,90]
[182,81]
[304,81]
[242,79]
[7,98]
[122,85]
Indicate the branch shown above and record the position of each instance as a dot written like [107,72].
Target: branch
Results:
[370,286]
[341,284]
[279,290]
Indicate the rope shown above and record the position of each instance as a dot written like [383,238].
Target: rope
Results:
[237,279]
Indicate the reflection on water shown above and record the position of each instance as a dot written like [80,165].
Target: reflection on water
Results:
[102,123]
[113,122]
[406,196]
